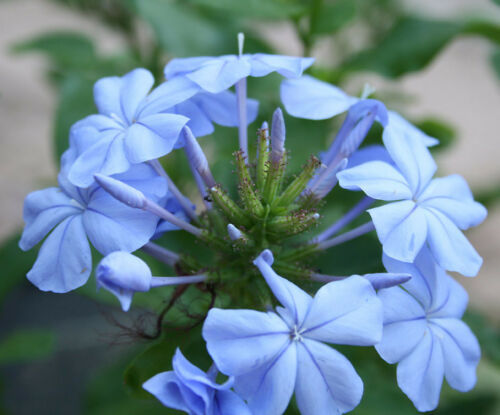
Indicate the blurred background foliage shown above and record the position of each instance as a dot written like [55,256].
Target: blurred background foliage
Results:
[387,41]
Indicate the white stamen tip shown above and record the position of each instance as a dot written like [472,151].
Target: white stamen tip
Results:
[241,41]
[368,90]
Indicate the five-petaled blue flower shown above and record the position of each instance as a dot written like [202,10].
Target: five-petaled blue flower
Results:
[424,333]
[189,389]
[272,354]
[64,262]
[424,209]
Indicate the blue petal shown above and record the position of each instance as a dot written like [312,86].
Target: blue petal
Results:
[182,66]
[153,137]
[397,125]
[164,386]
[307,97]
[268,390]
[404,324]
[345,312]
[44,209]
[420,374]
[326,381]
[199,122]
[452,197]
[401,228]
[412,158]
[64,261]
[450,298]
[144,178]
[449,246]
[369,153]
[241,341]
[288,66]
[107,96]
[288,294]
[135,86]
[107,157]
[460,350]
[125,271]
[228,403]
[377,179]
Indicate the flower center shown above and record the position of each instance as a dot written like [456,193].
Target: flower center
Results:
[296,334]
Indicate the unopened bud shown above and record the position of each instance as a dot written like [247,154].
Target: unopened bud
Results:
[278,136]
[197,158]
[122,191]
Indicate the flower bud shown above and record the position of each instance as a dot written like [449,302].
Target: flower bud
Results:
[122,191]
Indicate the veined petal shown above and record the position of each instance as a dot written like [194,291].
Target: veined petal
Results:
[450,299]
[241,341]
[461,352]
[420,374]
[377,179]
[199,122]
[369,153]
[307,97]
[44,209]
[64,261]
[296,300]
[326,381]
[107,96]
[288,66]
[165,387]
[182,66]
[135,86]
[144,178]
[452,197]
[450,247]
[404,324]
[345,312]
[226,402]
[268,390]
[412,158]
[397,125]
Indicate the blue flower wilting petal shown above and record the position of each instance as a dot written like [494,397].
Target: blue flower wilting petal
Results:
[189,389]
[267,352]
[216,74]
[122,274]
[129,128]
[423,332]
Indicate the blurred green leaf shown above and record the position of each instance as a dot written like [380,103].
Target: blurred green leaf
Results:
[487,333]
[75,102]
[488,30]
[69,49]
[410,45]
[26,345]
[182,30]
[334,16]
[495,61]
[439,129]
[488,196]
[15,264]
[264,9]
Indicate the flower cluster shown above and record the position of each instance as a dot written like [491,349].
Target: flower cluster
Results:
[115,195]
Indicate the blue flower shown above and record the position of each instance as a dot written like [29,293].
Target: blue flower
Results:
[272,354]
[189,389]
[70,215]
[424,210]
[307,97]
[216,74]
[424,333]
[131,126]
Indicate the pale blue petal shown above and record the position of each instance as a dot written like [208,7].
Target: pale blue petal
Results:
[124,270]
[327,383]
[345,312]
[135,86]
[164,386]
[44,209]
[288,294]
[143,177]
[452,197]
[307,97]
[107,157]
[369,153]
[450,298]
[461,352]
[288,66]
[199,123]
[377,179]
[98,121]
[182,66]
[404,324]
[107,96]
[420,374]
[397,125]
[450,247]
[268,390]
[227,402]
[153,137]
[64,261]
[412,158]
[241,341]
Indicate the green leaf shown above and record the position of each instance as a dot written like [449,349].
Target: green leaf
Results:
[15,264]
[409,46]
[260,9]
[334,16]
[181,30]
[75,102]
[495,61]
[488,335]
[26,345]
[68,49]
[486,29]
[439,129]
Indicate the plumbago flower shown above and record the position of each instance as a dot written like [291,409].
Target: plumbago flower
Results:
[272,354]
[113,194]
[424,333]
